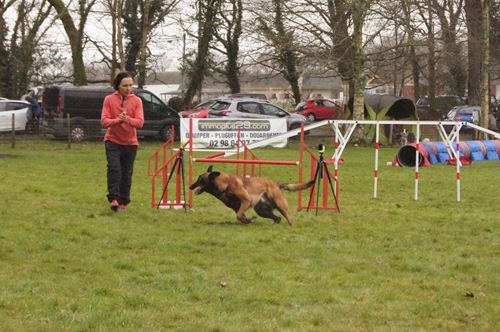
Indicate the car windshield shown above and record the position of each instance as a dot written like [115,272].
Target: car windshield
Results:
[465,112]
[273,110]
[220,105]
[205,104]
[329,103]
[300,106]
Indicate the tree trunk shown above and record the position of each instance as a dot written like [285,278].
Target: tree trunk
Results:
[485,63]
[412,55]
[431,59]
[4,53]
[287,54]
[141,81]
[117,56]
[474,35]
[232,70]
[75,38]
[232,44]
[113,6]
[133,26]
[196,74]
[342,41]
[119,34]
[448,18]
[358,14]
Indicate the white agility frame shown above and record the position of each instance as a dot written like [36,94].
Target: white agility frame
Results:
[342,140]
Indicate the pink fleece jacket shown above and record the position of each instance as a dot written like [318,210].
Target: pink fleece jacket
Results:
[123,133]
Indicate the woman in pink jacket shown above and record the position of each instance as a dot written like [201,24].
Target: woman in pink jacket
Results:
[121,114]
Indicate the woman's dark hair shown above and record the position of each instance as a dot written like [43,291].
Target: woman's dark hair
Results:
[118,79]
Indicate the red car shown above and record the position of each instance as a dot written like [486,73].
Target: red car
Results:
[319,109]
[200,111]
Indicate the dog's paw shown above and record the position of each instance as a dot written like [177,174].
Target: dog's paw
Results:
[277,220]
[245,220]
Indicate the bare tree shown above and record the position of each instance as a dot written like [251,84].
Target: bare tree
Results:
[449,13]
[474,35]
[75,34]
[408,9]
[206,18]
[359,10]
[28,31]
[117,59]
[495,39]
[228,34]
[426,14]
[485,63]
[5,69]
[280,40]
[141,18]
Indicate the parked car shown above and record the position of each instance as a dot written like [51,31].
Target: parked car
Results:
[253,108]
[200,111]
[439,108]
[21,110]
[472,114]
[241,95]
[84,105]
[319,109]
[465,113]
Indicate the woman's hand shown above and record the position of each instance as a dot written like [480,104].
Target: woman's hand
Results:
[122,116]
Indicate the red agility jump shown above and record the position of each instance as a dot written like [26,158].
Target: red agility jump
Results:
[164,165]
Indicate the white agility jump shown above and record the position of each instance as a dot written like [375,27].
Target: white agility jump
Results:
[159,164]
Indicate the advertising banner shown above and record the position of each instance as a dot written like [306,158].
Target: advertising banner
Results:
[220,133]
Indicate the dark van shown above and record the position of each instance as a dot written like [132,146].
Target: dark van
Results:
[84,106]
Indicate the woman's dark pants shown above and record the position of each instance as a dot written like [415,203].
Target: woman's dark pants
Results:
[120,168]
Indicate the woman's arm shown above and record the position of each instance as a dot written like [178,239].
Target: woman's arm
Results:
[106,119]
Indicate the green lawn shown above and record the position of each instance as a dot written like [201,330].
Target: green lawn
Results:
[68,263]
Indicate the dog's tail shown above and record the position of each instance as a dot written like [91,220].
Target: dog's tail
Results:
[296,186]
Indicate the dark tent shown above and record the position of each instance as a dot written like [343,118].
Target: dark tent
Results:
[386,107]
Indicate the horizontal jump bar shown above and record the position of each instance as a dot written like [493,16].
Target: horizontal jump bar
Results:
[243,161]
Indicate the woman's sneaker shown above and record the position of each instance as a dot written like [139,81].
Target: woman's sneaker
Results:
[114,205]
[122,207]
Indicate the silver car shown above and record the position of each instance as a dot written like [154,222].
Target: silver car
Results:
[254,109]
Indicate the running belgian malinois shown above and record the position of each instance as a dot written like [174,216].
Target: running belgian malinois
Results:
[240,194]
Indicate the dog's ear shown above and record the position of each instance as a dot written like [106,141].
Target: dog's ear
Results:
[213,175]
[209,169]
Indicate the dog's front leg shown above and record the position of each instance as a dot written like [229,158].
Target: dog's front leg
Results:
[240,215]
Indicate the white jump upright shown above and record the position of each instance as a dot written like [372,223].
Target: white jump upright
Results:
[375,172]
[458,163]
[417,159]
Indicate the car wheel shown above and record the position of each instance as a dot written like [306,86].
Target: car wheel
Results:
[78,133]
[311,117]
[165,133]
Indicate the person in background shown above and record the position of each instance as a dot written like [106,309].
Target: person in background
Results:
[122,114]
[35,113]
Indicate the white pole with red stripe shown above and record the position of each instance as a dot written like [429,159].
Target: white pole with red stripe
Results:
[457,158]
[417,155]
[375,172]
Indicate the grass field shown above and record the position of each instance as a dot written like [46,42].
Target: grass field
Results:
[68,263]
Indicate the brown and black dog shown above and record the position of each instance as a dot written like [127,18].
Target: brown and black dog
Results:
[240,194]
